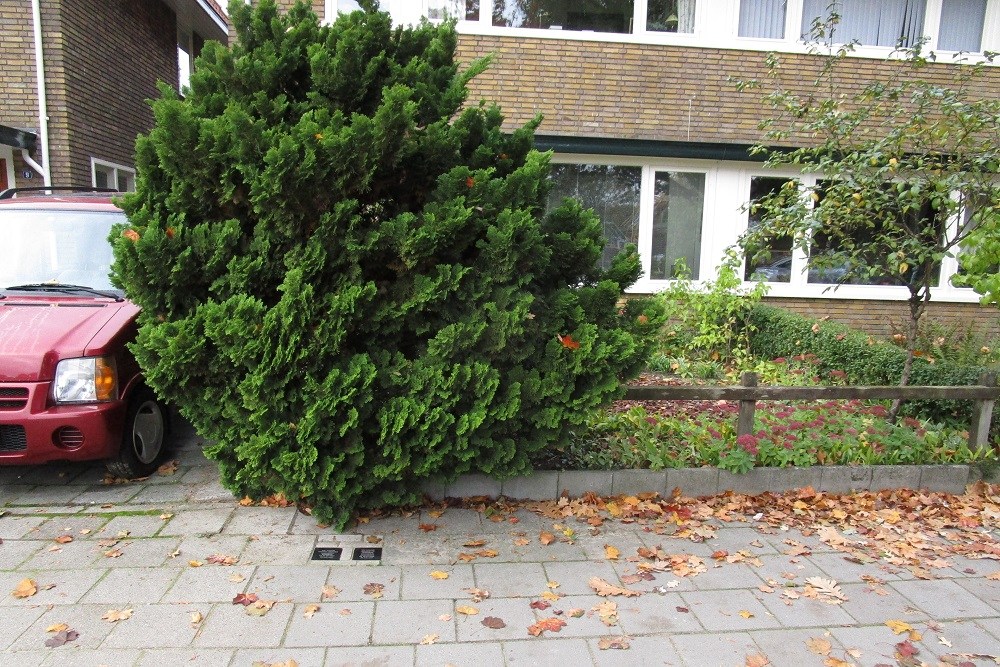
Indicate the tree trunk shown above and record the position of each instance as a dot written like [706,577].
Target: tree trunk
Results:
[918,304]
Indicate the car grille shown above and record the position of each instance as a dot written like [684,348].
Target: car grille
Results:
[12,438]
[13,398]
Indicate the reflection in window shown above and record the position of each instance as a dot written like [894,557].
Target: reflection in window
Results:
[613,193]
[884,23]
[921,222]
[775,264]
[444,9]
[961,27]
[678,207]
[585,15]
[670,16]
[762,18]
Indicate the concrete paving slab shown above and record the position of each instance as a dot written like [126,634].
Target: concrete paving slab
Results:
[872,605]
[573,576]
[131,585]
[963,637]
[788,647]
[876,644]
[226,621]
[945,597]
[84,618]
[436,655]
[89,658]
[417,583]
[154,626]
[380,656]
[260,521]
[727,610]
[352,580]
[662,615]
[506,580]
[279,550]
[514,612]
[19,526]
[805,613]
[55,587]
[548,651]
[409,621]
[295,583]
[303,657]
[642,652]
[117,494]
[197,521]
[14,552]
[13,622]
[209,584]
[986,590]
[202,657]
[712,650]
[334,624]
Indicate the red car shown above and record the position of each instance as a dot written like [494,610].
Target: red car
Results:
[70,390]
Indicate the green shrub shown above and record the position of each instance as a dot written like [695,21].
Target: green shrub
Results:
[864,360]
[348,279]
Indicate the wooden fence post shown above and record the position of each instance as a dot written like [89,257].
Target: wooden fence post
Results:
[748,407]
[982,414]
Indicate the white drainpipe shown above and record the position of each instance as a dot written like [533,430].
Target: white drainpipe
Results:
[43,114]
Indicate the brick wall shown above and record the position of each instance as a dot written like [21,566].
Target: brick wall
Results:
[114,51]
[883,318]
[18,96]
[638,91]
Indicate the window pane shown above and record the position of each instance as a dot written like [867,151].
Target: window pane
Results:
[103,178]
[613,193]
[584,15]
[776,265]
[884,23]
[961,26]
[678,207]
[762,18]
[670,16]
[471,10]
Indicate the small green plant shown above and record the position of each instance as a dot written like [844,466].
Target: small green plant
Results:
[957,342]
[709,322]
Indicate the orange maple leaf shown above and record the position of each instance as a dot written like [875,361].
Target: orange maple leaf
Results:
[568,342]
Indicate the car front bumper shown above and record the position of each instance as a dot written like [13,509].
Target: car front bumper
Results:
[34,431]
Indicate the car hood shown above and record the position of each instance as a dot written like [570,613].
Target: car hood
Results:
[35,334]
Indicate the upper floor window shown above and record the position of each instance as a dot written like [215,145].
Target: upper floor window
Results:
[961,27]
[763,18]
[884,23]
[110,175]
[611,16]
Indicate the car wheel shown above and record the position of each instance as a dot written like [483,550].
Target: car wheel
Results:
[143,438]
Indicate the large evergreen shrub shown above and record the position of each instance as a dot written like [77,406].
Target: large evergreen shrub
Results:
[349,282]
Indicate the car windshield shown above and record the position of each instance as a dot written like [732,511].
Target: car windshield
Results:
[56,247]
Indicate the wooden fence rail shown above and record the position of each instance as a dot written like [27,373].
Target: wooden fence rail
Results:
[984,395]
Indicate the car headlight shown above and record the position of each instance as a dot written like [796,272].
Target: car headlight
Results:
[85,380]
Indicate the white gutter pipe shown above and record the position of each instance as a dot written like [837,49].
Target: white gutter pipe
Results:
[43,113]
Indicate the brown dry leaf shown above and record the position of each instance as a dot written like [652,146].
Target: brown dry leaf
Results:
[259,608]
[478,594]
[831,661]
[429,639]
[221,559]
[550,596]
[468,610]
[168,468]
[522,542]
[576,612]
[61,638]
[994,576]
[310,610]
[113,553]
[745,614]
[245,598]
[115,615]
[435,514]
[619,643]
[64,539]
[552,584]
[58,627]
[828,589]
[546,538]
[25,589]
[196,619]
[757,660]
[608,612]
[494,623]
[899,627]
[819,646]
[539,604]
[428,527]
[610,552]
[487,553]
[604,588]
[246,501]
[438,574]
[374,590]
[195,563]
[236,577]
[473,544]
[550,624]
[330,592]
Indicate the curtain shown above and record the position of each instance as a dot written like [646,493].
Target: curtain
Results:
[961,26]
[762,18]
[883,23]
[685,15]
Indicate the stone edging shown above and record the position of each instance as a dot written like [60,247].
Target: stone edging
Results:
[695,482]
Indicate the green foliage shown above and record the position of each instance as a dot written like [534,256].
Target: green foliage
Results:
[706,323]
[959,343]
[909,166]
[864,360]
[842,433]
[349,281]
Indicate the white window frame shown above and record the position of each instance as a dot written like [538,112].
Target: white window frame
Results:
[727,190]
[115,169]
[717,26]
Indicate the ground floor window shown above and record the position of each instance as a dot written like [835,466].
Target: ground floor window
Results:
[113,176]
[690,212]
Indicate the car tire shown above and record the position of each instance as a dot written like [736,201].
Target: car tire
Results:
[144,437]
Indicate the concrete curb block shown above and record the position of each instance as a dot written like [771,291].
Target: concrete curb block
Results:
[697,482]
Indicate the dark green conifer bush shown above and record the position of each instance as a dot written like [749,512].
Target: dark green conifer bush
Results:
[349,281]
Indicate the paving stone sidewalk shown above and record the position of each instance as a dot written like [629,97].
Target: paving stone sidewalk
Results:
[146,547]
